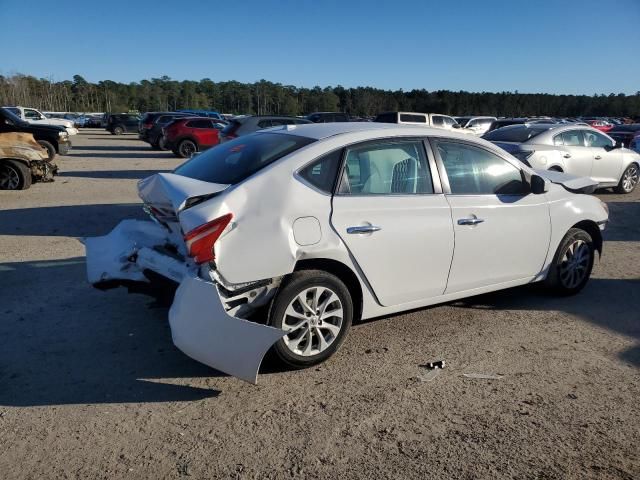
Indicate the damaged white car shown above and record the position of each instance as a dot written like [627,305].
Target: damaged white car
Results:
[283,238]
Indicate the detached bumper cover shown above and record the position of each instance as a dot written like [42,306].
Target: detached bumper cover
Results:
[200,326]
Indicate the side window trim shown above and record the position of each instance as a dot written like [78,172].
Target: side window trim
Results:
[336,181]
[446,187]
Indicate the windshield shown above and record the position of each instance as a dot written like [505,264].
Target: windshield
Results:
[232,162]
[514,133]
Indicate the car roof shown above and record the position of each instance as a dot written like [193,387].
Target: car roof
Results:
[319,131]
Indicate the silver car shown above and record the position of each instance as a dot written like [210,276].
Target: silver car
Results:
[577,150]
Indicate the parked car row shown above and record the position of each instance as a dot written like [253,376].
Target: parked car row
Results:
[575,149]
[34,116]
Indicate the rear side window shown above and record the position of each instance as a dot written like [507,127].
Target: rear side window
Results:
[573,138]
[386,118]
[386,168]
[322,173]
[199,124]
[557,140]
[404,117]
[233,161]
[438,121]
[475,171]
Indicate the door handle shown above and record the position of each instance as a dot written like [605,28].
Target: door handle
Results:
[567,155]
[597,157]
[363,229]
[470,221]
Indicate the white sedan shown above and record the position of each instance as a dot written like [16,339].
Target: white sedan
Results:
[283,238]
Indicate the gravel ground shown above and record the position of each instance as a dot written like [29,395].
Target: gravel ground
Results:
[92,387]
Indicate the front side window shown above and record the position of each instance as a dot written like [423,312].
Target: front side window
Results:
[595,139]
[573,138]
[31,114]
[438,121]
[386,168]
[322,173]
[475,171]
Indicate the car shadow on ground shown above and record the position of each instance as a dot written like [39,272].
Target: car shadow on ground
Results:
[63,342]
[604,303]
[113,148]
[69,221]
[117,174]
[108,136]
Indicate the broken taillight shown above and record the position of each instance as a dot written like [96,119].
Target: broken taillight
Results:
[200,240]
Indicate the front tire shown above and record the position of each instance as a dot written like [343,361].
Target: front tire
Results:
[572,264]
[14,175]
[629,179]
[316,310]
[51,151]
[118,131]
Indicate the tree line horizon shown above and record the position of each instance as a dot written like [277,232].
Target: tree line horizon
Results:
[265,97]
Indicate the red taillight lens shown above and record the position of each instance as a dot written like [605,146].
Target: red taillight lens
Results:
[200,240]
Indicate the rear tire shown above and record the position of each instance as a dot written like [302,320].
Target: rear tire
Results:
[118,130]
[186,148]
[316,309]
[629,179]
[51,151]
[14,175]
[571,267]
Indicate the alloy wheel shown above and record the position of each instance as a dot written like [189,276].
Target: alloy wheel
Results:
[630,178]
[574,264]
[9,178]
[312,320]
[187,149]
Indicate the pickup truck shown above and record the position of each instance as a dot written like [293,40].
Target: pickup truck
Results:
[415,118]
[36,117]
[53,138]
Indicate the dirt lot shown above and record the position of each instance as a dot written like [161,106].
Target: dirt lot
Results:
[92,387]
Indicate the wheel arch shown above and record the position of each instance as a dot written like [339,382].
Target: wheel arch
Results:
[343,272]
[593,230]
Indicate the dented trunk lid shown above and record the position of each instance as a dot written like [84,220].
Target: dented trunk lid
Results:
[170,194]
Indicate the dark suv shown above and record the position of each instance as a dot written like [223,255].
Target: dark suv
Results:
[155,138]
[120,123]
[328,117]
[54,139]
[243,125]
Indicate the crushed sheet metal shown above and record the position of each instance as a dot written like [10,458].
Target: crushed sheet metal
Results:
[570,182]
[204,331]
[173,190]
[107,256]
[484,376]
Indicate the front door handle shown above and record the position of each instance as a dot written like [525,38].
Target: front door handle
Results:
[597,157]
[567,155]
[363,229]
[470,221]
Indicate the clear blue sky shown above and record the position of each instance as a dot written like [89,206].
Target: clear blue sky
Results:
[573,46]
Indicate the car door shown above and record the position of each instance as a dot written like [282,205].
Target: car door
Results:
[393,218]
[607,161]
[577,159]
[501,230]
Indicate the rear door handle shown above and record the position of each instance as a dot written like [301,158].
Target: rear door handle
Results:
[363,229]
[470,221]
[567,155]
[597,157]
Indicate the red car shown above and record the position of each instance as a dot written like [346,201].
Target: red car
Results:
[600,125]
[186,136]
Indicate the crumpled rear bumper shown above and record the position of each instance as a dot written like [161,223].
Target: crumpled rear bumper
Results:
[200,325]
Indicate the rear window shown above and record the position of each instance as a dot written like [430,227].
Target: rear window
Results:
[515,134]
[232,162]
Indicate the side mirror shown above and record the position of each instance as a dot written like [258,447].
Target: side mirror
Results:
[617,144]
[538,185]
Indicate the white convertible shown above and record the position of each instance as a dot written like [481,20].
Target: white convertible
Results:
[283,238]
